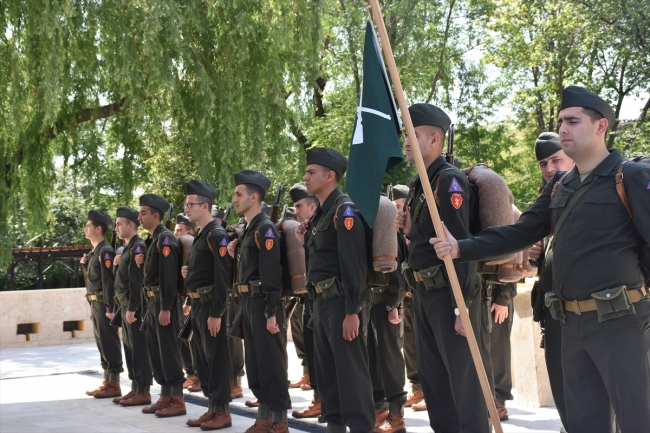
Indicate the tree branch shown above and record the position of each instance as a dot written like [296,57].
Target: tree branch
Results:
[86,115]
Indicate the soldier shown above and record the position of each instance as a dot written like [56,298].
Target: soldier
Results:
[415,400]
[161,269]
[335,245]
[259,285]
[598,280]
[305,206]
[208,276]
[550,159]
[449,379]
[98,275]
[185,227]
[128,296]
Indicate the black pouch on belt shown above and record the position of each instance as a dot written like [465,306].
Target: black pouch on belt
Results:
[434,277]
[377,293]
[330,288]
[555,306]
[205,294]
[122,299]
[255,287]
[613,303]
[408,274]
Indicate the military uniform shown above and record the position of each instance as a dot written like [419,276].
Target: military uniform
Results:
[337,268]
[99,279]
[128,296]
[599,249]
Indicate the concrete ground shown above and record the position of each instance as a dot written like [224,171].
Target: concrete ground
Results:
[43,390]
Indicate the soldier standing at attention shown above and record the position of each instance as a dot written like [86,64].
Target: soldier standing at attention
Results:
[259,283]
[449,380]
[184,226]
[128,296]
[598,280]
[98,275]
[337,265]
[305,205]
[208,276]
[161,272]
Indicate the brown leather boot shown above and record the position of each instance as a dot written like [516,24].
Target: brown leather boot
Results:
[262,425]
[189,381]
[130,394]
[416,397]
[162,402]
[252,403]
[112,390]
[419,406]
[200,420]
[503,413]
[380,417]
[297,384]
[219,420]
[175,407]
[279,427]
[100,388]
[195,387]
[236,392]
[393,424]
[139,399]
[312,411]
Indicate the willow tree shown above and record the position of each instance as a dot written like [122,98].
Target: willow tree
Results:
[85,81]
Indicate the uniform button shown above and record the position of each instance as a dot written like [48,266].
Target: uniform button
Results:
[608,295]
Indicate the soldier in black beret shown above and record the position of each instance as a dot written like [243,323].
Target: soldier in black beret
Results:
[218,214]
[208,276]
[449,380]
[335,245]
[597,271]
[550,156]
[259,285]
[128,296]
[99,279]
[161,291]
[184,226]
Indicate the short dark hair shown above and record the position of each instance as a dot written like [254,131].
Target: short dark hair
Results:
[337,177]
[205,199]
[312,199]
[154,210]
[102,226]
[255,189]
[593,115]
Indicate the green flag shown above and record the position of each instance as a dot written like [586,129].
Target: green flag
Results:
[375,147]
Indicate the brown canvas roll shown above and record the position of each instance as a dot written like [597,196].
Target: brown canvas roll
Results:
[186,241]
[119,251]
[295,256]
[384,238]
[495,201]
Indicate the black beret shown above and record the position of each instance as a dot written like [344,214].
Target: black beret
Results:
[217,212]
[182,219]
[546,145]
[253,178]
[155,201]
[427,114]
[400,191]
[330,158]
[576,96]
[299,191]
[200,187]
[128,213]
[99,216]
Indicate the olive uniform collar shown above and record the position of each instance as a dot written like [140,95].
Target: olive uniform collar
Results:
[602,170]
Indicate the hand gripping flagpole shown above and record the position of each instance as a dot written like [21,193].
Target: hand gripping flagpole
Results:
[435,216]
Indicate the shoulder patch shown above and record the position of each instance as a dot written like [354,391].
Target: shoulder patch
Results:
[348,212]
[456,200]
[166,241]
[269,234]
[648,185]
[455,186]
[269,244]
[138,249]
[107,256]
[224,242]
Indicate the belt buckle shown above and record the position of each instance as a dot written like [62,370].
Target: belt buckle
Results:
[576,305]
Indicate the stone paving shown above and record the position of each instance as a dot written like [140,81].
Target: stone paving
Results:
[42,390]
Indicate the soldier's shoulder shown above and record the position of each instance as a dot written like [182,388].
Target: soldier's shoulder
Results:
[167,238]
[267,229]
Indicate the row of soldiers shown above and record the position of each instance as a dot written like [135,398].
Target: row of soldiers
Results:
[353,336]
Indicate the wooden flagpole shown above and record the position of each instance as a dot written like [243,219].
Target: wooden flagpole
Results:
[435,216]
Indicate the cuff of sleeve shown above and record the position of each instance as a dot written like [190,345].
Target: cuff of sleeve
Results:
[269,311]
[216,312]
[502,301]
[351,309]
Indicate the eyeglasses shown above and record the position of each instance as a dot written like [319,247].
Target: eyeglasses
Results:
[189,205]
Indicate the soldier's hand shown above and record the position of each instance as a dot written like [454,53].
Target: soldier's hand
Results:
[187,309]
[393,316]
[84,259]
[130,316]
[535,252]
[110,316]
[184,272]
[350,327]
[214,325]
[445,248]
[301,230]
[272,325]
[117,259]
[231,248]
[139,259]
[403,221]
[459,328]
[500,313]
[164,318]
